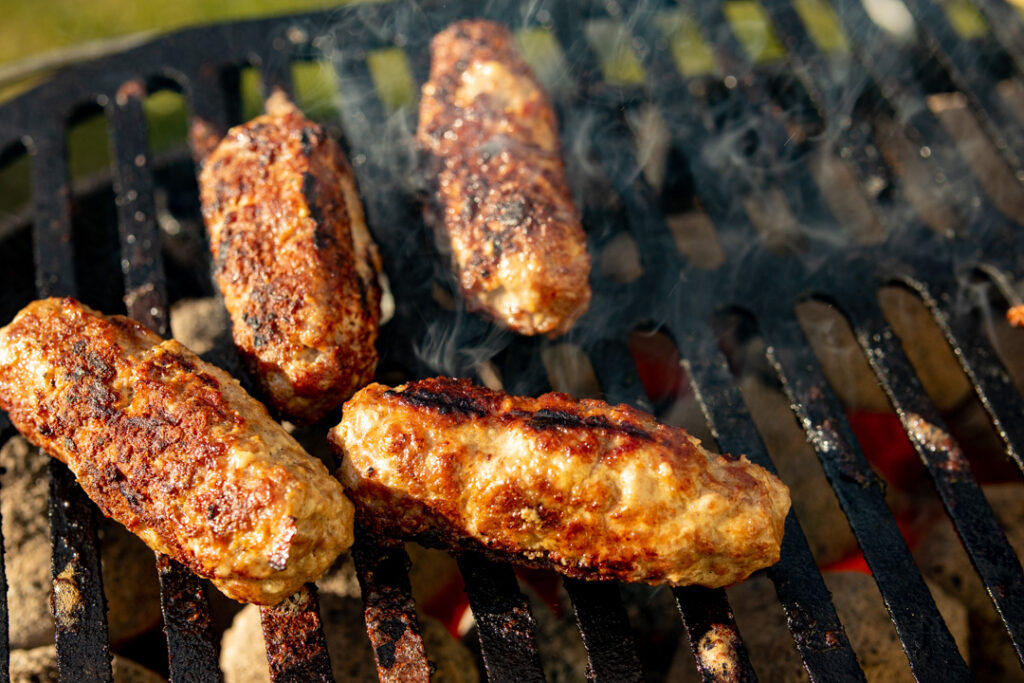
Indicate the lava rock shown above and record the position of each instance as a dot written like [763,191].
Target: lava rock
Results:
[198,323]
[39,665]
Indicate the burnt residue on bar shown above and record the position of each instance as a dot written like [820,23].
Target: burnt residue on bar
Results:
[191,652]
[504,622]
[391,622]
[294,638]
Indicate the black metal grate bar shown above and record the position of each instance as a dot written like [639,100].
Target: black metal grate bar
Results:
[991,382]
[183,597]
[604,627]
[819,636]
[144,283]
[929,646]
[190,646]
[391,621]
[968,62]
[51,232]
[503,620]
[294,637]
[79,606]
[986,545]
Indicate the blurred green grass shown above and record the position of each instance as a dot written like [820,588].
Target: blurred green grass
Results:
[25,34]
[30,28]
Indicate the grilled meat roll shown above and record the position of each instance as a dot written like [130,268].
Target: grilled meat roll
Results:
[588,489]
[506,214]
[173,448]
[294,260]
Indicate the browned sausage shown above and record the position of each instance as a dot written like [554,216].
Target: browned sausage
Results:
[173,448]
[506,214]
[294,260]
[588,489]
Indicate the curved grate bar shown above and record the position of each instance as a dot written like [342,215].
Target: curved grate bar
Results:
[191,650]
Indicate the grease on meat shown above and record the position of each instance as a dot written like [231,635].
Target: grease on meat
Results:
[588,489]
[173,448]
[294,260]
[507,217]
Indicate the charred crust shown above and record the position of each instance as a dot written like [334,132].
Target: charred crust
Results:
[445,403]
[364,301]
[460,398]
[309,138]
[561,419]
[322,235]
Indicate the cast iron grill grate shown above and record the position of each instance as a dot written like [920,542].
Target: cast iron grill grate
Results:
[681,296]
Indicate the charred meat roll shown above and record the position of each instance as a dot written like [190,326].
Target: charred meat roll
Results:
[591,490]
[173,448]
[504,211]
[294,260]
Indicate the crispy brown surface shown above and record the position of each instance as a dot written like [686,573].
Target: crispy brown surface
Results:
[294,260]
[589,489]
[518,249]
[172,448]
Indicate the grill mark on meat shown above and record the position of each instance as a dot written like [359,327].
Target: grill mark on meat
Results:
[460,399]
[445,403]
[323,236]
[550,482]
[560,419]
[309,140]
